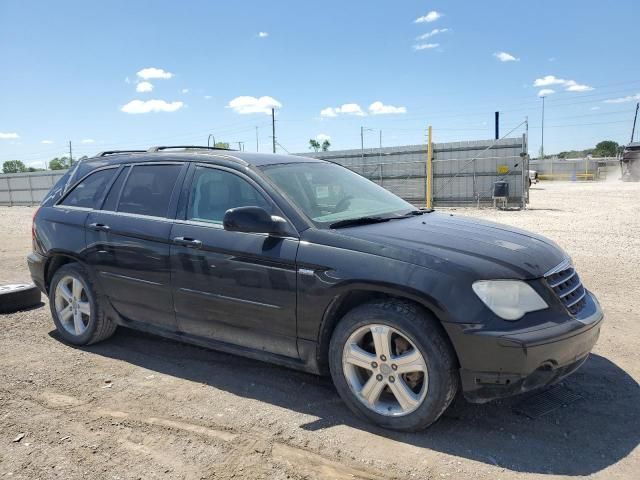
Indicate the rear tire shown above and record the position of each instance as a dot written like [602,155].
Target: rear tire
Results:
[419,357]
[77,308]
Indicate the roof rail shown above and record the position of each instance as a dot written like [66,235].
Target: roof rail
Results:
[185,147]
[115,152]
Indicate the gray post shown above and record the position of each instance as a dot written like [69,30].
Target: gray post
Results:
[30,191]
[9,187]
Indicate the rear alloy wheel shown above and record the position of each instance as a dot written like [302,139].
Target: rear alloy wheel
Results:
[392,364]
[72,305]
[76,307]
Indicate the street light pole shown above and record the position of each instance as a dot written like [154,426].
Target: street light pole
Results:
[362,145]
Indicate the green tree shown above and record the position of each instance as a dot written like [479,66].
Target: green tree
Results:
[222,145]
[325,145]
[61,163]
[13,166]
[314,144]
[606,148]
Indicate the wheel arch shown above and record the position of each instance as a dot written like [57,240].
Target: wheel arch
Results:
[53,264]
[361,294]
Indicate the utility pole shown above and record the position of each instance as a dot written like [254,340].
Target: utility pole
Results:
[241,146]
[542,146]
[273,128]
[257,142]
[70,154]
[633,130]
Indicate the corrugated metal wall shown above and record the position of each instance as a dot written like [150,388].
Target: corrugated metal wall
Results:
[463,172]
[27,188]
[577,168]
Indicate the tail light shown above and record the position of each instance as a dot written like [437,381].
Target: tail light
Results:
[33,228]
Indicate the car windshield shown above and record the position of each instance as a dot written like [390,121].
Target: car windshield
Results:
[332,195]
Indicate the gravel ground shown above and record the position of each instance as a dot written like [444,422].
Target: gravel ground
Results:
[138,406]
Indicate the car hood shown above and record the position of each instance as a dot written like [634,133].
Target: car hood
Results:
[444,242]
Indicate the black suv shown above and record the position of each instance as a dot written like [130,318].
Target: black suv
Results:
[306,264]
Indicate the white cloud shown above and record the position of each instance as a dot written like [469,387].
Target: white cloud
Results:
[505,57]
[321,137]
[378,108]
[426,46]
[47,142]
[263,34]
[246,104]
[595,108]
[152,72]
[433,32]
[208,97]
[143,87]
[88,140]
[628,98]
[184,90]
[570,85]
[546,91]
[140,106]
[548,80]
[328,112]
[573,86]
[345,109]
[8,135]
[432,16]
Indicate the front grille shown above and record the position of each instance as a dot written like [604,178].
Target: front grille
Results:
[567,286]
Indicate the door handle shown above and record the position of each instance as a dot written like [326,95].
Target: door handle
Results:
[101,227]
[187,242]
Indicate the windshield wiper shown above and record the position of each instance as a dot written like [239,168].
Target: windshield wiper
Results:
[421,211]
[358,221]
[413,213]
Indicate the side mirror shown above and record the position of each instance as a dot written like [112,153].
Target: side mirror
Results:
[253,220]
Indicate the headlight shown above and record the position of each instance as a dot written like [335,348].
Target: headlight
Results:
[509,299]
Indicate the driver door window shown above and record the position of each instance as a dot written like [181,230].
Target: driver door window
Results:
[215,191]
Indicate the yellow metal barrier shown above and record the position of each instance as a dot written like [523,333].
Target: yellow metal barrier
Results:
[568,176]
[429,193]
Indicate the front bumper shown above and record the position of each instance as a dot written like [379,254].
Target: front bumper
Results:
[501,365]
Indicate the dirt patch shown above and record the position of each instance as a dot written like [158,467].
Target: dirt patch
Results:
[138,406]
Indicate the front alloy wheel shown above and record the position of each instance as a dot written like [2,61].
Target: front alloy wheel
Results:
[385,371]
[393,365]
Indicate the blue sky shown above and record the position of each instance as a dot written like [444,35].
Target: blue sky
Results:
[71,71]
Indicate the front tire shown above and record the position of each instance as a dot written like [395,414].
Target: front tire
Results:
[76,307]
[392,365]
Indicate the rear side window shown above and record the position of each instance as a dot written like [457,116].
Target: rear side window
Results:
[90,190]
[148,190]
[111,202]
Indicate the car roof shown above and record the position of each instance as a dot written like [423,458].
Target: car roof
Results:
[197,154]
